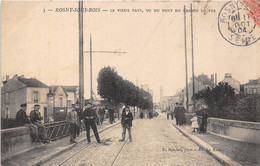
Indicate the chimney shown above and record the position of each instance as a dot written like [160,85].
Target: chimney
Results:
[52,89]
[7,77]
[228,75]
[212,78]
[216,79]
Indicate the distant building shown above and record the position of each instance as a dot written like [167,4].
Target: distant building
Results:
[146,88]
[61,98]
[232,82]
[252,87]
[201,82]
[20,90]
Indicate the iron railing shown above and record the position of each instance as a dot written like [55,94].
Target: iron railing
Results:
[58,130]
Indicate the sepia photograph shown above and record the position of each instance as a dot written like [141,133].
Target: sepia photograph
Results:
[130,82]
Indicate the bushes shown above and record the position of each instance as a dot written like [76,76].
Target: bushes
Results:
[223,103]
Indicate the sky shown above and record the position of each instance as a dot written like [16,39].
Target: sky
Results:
[45,45]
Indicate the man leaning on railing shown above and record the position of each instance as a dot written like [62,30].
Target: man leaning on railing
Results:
[23,120]
[35,117]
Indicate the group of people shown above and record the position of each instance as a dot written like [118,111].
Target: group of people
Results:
[34,122]
[90,117]
[200,127]
[75,117]
[178,113]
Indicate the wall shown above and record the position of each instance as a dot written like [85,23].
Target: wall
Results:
[42,99]
[15,141]
[60,93]
[236,130]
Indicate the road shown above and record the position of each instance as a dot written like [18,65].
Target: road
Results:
[155,142]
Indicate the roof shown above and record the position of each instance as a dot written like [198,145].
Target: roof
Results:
[70,88]
[53,89]
[253,82]
[32,82]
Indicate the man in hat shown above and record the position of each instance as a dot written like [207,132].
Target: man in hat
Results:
[181,114]
[90,117]
[22,120]
[79,112]
[36,119]
[101,113]
[176,110]
[73,119]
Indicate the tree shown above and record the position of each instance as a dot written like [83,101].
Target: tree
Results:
[217,99]
[115,89]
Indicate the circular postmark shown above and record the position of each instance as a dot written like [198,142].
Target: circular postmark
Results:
[236,26]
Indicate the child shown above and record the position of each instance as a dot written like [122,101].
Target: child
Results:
[194,124]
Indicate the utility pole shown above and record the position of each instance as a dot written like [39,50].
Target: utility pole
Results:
[192,54]
[186,67]
[91,88]
[91,52]
[81,60]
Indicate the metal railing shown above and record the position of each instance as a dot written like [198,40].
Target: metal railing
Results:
[58,130]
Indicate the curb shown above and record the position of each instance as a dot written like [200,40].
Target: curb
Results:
[52,155]
[224,159]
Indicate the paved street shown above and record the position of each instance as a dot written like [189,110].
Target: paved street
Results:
[155,142]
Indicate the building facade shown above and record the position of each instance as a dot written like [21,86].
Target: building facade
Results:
[232,82]
[19,90]
[252,87]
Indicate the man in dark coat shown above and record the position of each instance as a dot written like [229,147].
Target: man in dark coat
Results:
[101,113]
[126,122]
[111,115]
[90,117]
[176,115]
[35,117]
[22,120]
[181,114]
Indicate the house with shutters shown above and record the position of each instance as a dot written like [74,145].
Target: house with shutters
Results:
[20,90]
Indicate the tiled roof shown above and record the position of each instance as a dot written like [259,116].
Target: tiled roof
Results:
[32,82]
[52,89]
[70,88]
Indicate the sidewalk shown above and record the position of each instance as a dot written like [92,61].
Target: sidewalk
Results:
[227,151]
[45,152]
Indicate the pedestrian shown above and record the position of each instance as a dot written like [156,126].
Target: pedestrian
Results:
[181,114]
[168,112]
[111,115]
[194,123]
[73,119]
[36,119]
[126,122]
[176,115]
[79,112]
[23,120]
[203,124]
[172,113]
[101,113]
[90,117]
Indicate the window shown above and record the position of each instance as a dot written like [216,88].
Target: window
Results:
[61,101]
[35,96]
[7,98]
[69,103]
[254,91]
[7,113]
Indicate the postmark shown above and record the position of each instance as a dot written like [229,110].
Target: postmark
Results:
[236,25]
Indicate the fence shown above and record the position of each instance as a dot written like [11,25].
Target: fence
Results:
[58,130]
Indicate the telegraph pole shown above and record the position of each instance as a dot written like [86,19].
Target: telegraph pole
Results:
[91,52]
[91,88]
[192,54]
[186,67]
[81,60]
